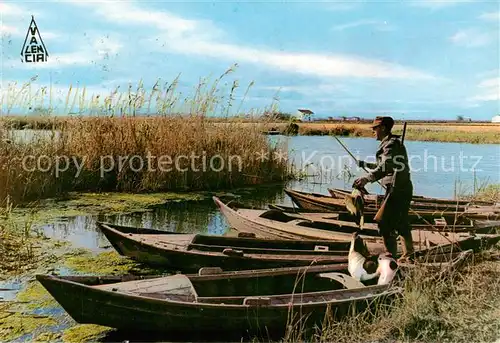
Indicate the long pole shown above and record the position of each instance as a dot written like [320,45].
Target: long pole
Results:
[355,159]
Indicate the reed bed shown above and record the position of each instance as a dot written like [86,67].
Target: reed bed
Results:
[112,145]
[137,155]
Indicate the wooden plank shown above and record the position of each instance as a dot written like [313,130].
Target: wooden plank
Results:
[220,248]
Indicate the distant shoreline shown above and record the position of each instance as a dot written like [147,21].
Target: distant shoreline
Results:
[475,132]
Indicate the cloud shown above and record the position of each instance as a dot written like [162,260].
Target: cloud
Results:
[127,13]
[199,37]
[312,90]
[491,16]
[437,4]
[8,9]
[8,30]
[489,90]
[473,38]
[377,24]
[319,65]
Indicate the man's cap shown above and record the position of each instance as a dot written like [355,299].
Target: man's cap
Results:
[383,121]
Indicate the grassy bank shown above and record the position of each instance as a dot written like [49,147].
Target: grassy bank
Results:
[462,305]
[437,132]
[476,133]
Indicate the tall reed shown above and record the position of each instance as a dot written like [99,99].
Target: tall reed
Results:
[95,145]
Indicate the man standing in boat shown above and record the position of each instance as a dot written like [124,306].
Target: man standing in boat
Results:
[391,156]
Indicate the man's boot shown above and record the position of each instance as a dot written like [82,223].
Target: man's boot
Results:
[407,246]
[391,245]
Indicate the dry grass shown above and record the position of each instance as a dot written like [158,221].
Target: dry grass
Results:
[438,132]
[156,152]
[99,142]
[463,307]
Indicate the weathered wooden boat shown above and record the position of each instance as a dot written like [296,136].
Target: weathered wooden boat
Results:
[190,252]
[337,202]
[341,193]
[222,306]
[325,203]
[276,224]
[437,224]
[316,201]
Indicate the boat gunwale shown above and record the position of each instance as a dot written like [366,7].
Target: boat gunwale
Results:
[384,290]
[333,259]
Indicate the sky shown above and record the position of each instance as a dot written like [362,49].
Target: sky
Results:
[411,60]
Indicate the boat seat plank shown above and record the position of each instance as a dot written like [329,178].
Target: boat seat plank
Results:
[220,248]
[299,297]
[347,281]
[176,285]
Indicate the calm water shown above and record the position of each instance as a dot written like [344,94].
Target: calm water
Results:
[436,167]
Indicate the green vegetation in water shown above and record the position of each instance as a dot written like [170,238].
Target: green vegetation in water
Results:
[85,333]
[75,204]
[14,325]
[21,248]
[17,320]
[35,296]
[105,263]
[48,337]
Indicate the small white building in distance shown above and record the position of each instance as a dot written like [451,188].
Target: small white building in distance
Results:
[495,119]
[304,114]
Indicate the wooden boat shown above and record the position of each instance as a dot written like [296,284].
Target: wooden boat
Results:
[223,306]
[337,202]
[421,203]
[324,203]
[341,193]
[276,224]
[190,252]
[438,224]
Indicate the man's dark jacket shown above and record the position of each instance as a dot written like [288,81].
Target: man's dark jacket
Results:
[391,155]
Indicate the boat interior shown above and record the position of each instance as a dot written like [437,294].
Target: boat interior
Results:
[200,242]
[323,225]
[243,290]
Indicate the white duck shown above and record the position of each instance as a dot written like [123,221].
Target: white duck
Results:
[387,267]
[360,265]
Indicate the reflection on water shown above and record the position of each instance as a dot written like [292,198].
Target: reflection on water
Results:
[183,217]
[9,289]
